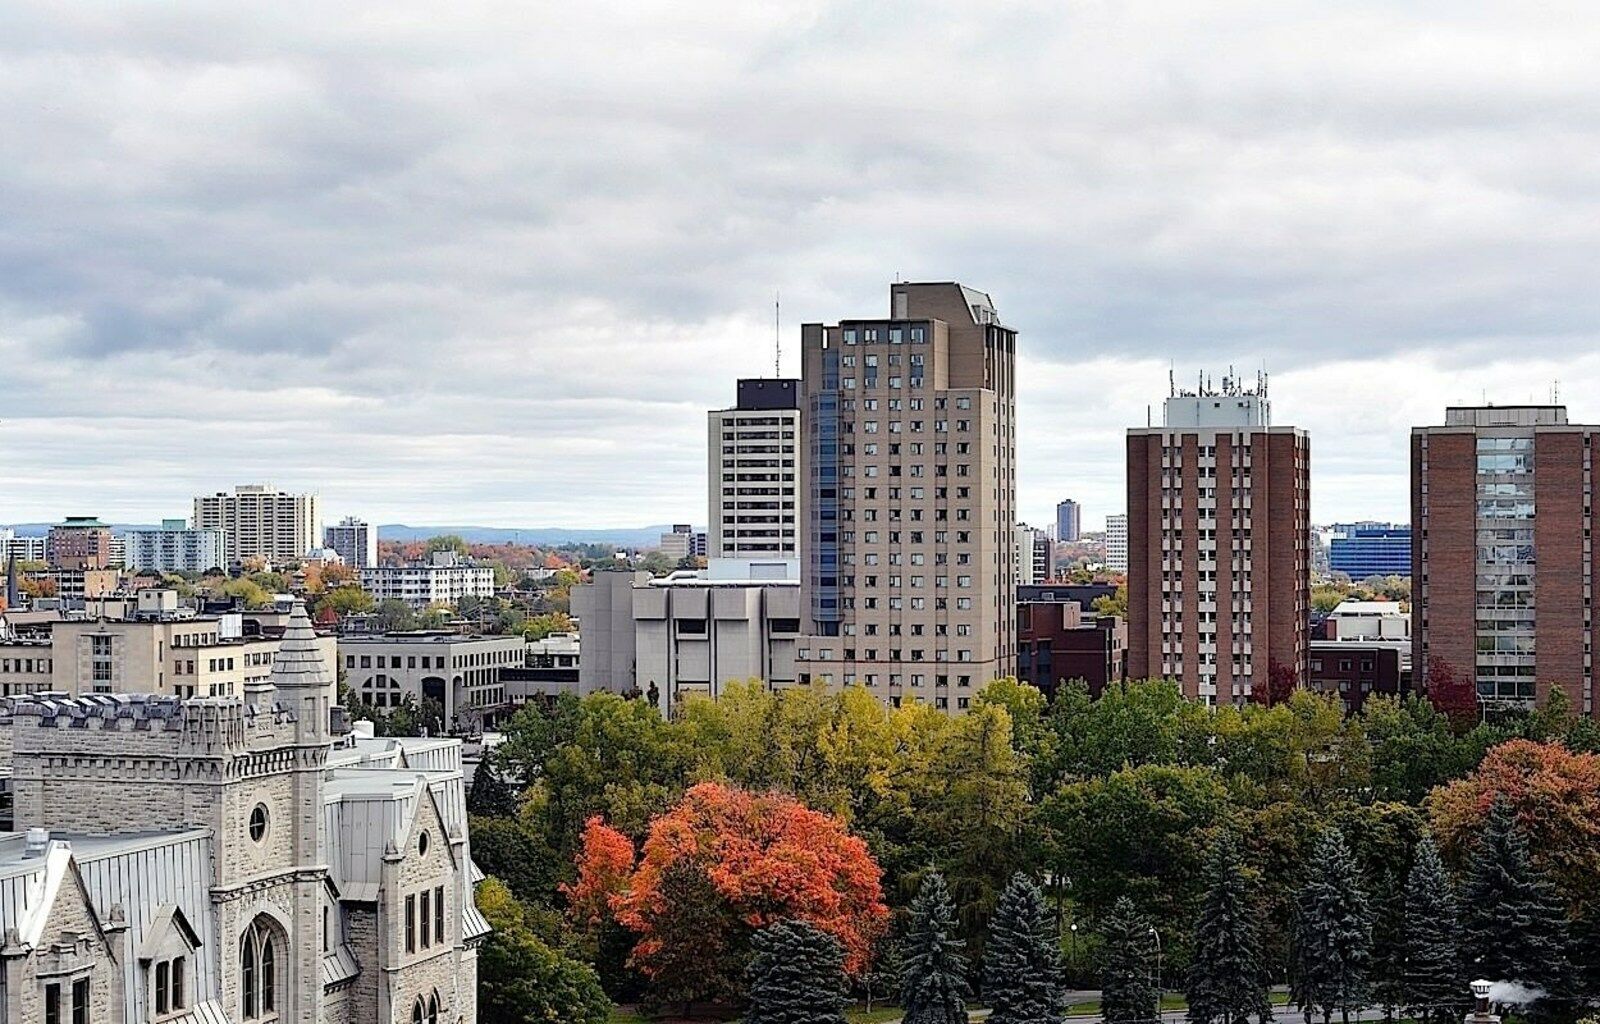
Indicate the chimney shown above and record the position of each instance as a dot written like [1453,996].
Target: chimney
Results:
[1480,1010]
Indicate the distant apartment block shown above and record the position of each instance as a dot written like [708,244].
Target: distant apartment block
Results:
[754,472]
[1033,555]
[443,580]
[27,549]
[910,576]
[1360,550]
[174,547]
[80,542]
[1069,521]
[1218,560]
[1117,542]
[1503,567]
[259,522]
[679,543]
[355,540]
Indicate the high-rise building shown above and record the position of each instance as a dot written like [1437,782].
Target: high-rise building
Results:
[356,540]
[1117,542]
[1218,568]
[1033,555]
[174,547]
[259,522]
[1069,522]
[679,543]
[81,542]
[910,576]
[1360,550]
[754,469]
[1501,506]
[27,549]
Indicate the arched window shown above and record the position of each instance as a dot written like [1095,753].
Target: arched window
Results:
[433,1008]
[418,1013]
[426,1009]
[258,971]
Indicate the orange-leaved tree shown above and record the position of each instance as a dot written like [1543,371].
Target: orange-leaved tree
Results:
[1556,795]
[761,857]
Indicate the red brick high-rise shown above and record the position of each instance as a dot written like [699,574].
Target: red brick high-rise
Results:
[1502,560]
[1219,568]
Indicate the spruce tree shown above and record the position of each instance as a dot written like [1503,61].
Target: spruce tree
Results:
[933,984]
[1228,972]
[1022,961]
[1332,932]
[796,976]
[1435,981]
[1512,917]
[1128,984]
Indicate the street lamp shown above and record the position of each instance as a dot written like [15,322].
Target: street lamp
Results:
[1157,936]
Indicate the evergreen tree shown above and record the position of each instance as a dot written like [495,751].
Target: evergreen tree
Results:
[1512,917]
[933,984]
[1128,982]
[489,794]
[1332,933]
[1388,943]
[1435,982]
[1228,972]
[1022,961]
[796,976]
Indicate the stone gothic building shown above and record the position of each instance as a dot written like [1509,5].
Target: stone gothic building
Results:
[232,861]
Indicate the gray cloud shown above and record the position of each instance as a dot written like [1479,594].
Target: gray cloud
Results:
[493,261]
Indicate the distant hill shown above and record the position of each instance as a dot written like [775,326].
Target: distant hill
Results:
[643,536]
[628,537]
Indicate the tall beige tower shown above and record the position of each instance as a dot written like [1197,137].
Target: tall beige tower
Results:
[258,521]
[754,473]
[910,449]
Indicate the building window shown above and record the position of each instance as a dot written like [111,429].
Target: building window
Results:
[52,1004]
[427,936]
[80,1001]
[258,823]
[422,844]
[258,960]
[411,924]
[438,914]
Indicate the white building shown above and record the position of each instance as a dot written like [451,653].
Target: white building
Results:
[679,544]
[356,540]
[1370,620]
[233,861]
[443,580]
[259,522]
[27,549]
[691,632]
[753,469]
[174,547]
[461,673]
[1033,551]
[1117,542]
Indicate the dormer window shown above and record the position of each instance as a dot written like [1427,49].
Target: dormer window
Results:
[171,986]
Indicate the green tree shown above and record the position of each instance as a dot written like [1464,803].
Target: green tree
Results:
[1228,973]
[1435,982]
[447,542]
[1128,985]
[537,627]
[691,924]
[1332,933]
[933,986]
[1115,603]
[796,976]
[393,615]
[1022,960]
[489,793]
[1512,917]
[346,600]
[521,980]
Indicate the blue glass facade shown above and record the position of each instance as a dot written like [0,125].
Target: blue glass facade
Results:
[1372,551]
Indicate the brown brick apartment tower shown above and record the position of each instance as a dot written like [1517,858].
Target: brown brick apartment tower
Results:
[1502,562]
[910,451]
[1219,581]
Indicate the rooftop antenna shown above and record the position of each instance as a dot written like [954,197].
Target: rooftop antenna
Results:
[1555,391]
[1172,389]
[777,334]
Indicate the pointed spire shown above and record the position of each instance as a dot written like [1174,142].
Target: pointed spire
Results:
[299,661]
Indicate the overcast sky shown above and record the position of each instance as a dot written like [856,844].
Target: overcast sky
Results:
[491,263]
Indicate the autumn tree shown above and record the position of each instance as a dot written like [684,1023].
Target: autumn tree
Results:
[1454,694]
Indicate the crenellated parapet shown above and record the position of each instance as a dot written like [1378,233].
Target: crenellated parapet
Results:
[142,725]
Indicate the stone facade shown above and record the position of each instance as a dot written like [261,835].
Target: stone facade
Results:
[244,862]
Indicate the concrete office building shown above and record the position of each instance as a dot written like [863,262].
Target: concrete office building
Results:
[1360,550]
[81,542]
[1502,563]
[604,610]
[1117,542]
[355,540]
[259,522]
[678,544]
[462,673]
[27,549]
[175,547]
[910,575]
[1069,521]
[754,469]
[1218,524]
[443,580]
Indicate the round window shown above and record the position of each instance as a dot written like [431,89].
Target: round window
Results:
[258,822]
[422,844]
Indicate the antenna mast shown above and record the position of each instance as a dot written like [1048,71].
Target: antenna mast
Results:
[777,335]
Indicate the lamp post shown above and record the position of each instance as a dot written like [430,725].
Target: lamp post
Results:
[1157,936]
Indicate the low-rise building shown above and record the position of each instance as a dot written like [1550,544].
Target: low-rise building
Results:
[551,669]
[443,580]
[1061,641]
[461,673]
[1365,648]
[76,587]
[25,666]
[174,547]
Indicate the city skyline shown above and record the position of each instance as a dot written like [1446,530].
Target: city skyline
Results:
[442,295]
